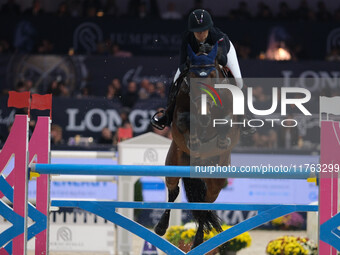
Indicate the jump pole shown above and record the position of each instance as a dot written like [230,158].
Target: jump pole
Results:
[167,171]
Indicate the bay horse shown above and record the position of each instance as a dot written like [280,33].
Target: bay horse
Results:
[191,131]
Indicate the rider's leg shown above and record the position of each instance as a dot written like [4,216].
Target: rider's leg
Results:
[160,122]
[248,115]
[246,129]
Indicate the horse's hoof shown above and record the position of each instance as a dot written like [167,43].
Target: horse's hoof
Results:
[223,143]
[194,245]
[160,230]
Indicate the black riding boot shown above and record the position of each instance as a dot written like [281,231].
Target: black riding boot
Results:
[160,122]
[246,129]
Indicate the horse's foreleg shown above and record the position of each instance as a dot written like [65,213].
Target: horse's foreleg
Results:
[173,188]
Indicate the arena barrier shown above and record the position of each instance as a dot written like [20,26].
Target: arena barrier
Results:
[14,187]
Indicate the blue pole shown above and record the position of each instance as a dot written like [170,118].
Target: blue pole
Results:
[170,171]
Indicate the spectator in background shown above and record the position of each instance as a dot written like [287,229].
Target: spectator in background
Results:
[124,114]
[111,92]
[288,137]
[36,9]
[45,47]
[64,90]
[91,7]
[29,86]
[85,92]
[264,12]
[56,135]
[285,12]
[152,91]
[4,47]
[63,10]
[322,13]
[259,96]
[242,12]
[131,96]
[10,8]
[311,15]
[106,137]
[91,12]
[20,87]
[124,132]
[118,87]
[142,11]
[103,48]
[265,138]
[25,39]
[161,90]
[334,55]
[59,88]
[143,92]
[117,52]
[303,12]
[53,88]
[111,9]
[75,8]
[171,12]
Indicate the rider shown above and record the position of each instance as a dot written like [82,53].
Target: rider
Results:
[201,32]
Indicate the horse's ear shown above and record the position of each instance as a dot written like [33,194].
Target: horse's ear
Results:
[213,53]
[191,53]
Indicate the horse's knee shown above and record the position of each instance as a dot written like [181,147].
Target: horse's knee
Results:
[214,186]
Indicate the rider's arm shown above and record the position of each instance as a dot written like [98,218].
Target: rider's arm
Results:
[233,66]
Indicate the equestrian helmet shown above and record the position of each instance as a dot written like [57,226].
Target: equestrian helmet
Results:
[199,20]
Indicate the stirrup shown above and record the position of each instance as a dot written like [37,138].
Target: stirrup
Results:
[155,121]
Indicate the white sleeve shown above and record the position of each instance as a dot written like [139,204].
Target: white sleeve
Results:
[233,66]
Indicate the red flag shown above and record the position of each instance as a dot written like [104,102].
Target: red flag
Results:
[18,99]
[41,102]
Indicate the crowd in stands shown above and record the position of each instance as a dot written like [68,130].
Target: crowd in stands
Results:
[127,98]
[150,9]
[267,137]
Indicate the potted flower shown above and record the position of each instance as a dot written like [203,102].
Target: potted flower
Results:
[234,245]
[183,236]
[291,245]
[291,221]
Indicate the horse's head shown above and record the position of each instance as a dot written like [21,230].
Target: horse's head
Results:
[198,104]
[204,67]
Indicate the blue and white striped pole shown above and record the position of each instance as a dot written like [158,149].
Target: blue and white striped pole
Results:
[172,171]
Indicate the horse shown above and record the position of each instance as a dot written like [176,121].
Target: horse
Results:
[192,135]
